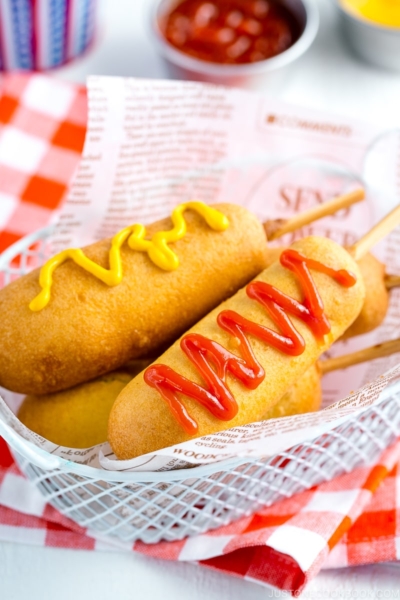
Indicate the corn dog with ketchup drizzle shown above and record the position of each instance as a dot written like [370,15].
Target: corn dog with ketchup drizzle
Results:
[76,328]
[312,295]
[377,282]
[376,300]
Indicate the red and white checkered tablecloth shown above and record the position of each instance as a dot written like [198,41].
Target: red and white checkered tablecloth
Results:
[352,520]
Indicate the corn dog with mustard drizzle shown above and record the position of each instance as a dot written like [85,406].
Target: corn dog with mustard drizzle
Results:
[77,325]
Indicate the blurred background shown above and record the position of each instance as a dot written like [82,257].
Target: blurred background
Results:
[329,75]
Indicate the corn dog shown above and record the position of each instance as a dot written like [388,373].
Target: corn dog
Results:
[147,415]
[88,328]
[376,300]
[76,418]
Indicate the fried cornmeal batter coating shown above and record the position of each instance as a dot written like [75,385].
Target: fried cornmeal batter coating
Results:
[376,301]
[140,420]
[76,418]
[89,329]
[304,396]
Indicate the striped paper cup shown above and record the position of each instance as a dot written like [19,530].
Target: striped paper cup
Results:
[44,34]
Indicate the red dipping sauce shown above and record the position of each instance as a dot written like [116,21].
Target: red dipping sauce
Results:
[231,31]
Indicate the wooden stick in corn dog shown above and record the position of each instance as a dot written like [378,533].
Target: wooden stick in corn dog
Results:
[88,313]
[240,359]
[376,234]
[277,228]
[364,355]
[392,281]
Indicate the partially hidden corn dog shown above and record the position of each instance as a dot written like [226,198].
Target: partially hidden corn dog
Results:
[76,418]
[376,301]
[305,395]
[234,348]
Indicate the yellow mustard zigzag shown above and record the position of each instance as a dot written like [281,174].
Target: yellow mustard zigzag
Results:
[157,249]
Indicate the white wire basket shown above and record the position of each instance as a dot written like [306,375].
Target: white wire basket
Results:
[170,506]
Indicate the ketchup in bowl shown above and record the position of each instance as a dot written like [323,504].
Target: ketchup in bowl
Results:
[231,31]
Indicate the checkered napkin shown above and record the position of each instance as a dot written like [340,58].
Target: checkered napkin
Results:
[344,522]
[42,130]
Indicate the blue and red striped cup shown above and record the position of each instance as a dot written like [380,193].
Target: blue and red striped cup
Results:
[44,34]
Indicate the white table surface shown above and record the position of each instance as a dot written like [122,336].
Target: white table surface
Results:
[328,77]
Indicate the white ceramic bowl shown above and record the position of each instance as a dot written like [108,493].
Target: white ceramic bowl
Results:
[377,44]
[254,75]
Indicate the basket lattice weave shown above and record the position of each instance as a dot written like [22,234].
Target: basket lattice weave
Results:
[176,504]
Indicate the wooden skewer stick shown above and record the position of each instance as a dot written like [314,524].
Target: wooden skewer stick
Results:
[278,227]
[392,281]
[376,234]
[348,360]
